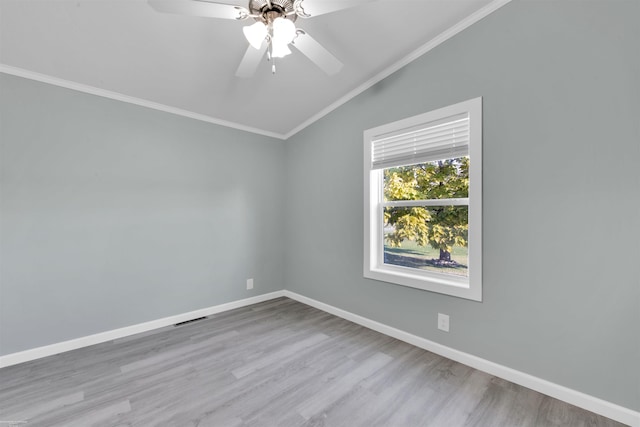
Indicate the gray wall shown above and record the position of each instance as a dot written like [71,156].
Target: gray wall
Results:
[561,195]
[113,214]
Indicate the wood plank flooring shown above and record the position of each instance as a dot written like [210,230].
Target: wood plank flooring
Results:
[277,363]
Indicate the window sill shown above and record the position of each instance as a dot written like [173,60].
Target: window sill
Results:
[457,287]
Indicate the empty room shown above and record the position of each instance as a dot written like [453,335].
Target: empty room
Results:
[296,213]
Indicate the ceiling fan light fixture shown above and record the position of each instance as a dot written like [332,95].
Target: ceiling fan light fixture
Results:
[255,34]
[274,28]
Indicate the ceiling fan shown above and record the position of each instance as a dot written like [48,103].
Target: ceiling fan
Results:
[274,30]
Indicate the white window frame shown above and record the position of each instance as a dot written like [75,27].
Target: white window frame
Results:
[374,267]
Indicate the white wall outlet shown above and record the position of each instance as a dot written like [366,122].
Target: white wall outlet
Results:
[443,322]
[249,283]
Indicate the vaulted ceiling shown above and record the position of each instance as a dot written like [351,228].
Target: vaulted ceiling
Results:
[126,50]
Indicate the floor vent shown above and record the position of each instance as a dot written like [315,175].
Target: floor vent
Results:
[190,321]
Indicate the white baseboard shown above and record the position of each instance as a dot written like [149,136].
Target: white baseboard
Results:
[61,347]
[579,399]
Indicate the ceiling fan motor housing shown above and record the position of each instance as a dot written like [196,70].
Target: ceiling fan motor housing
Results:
[272,9]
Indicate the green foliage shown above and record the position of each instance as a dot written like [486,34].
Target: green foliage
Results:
[441,227]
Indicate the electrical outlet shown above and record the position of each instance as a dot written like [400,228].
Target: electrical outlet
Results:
[249,283]
[443,322]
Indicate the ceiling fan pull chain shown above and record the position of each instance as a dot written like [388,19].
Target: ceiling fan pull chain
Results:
[271,58]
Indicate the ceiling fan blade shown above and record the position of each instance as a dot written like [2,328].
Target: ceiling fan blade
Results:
[309,8]
[316,53]
[200,8]
[250,61]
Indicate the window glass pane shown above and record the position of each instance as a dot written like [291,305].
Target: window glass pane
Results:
[430,238]
[442,179]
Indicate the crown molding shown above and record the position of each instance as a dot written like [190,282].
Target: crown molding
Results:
[441,38]
[44,78]
[436,41]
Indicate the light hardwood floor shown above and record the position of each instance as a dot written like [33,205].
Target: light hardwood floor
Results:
[277,363]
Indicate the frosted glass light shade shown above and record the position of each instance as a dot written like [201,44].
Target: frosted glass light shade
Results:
[255,34]
[279,50]
[284,30]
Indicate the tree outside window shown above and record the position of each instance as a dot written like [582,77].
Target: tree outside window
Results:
[433,238]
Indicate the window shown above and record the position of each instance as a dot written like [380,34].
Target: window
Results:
[423,201]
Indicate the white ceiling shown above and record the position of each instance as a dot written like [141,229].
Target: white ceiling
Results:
[124,49]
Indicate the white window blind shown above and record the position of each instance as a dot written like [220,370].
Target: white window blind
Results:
[441,139]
